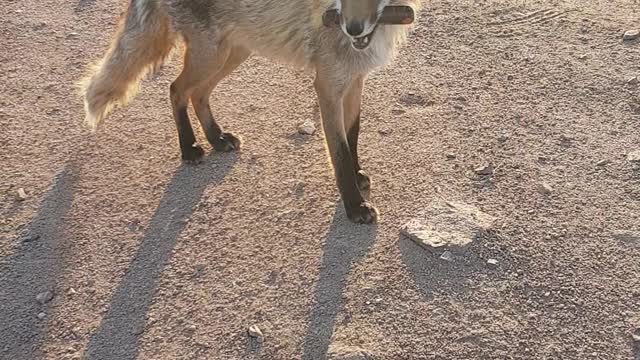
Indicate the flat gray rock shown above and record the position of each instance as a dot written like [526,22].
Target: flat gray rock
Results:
[447,226]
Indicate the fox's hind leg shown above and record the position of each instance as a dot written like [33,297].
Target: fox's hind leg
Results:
[352,106]
[204,53]
[221,141]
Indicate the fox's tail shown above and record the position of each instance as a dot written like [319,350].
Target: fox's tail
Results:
[142,43]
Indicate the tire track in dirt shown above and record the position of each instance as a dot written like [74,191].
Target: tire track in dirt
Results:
[515,23]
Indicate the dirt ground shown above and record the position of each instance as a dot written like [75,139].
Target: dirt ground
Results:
[150,259]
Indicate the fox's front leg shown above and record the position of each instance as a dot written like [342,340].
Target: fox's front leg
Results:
[331,90]
[352,105]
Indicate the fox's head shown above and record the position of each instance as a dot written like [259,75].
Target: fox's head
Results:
[359,19]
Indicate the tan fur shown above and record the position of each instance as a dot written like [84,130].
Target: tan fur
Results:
[141,44]
[220,34]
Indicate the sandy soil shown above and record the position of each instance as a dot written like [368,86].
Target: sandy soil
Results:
[151,259]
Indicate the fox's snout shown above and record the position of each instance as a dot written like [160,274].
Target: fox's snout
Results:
[355,28]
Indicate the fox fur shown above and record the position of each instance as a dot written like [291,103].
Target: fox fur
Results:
[221,34]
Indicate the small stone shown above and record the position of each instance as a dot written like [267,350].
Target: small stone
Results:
[503,138]
[21,195]
[255,332]
[543,159]
[44,297]
[71,291]
[604,162]
[632,81]
[191,328]
[484,170]
[627,236]
[41,316]
[636,335]
[582,57]
[398,111]
[307,128]
[451,156]
[547,294]
[385,131]
[73,34]
[634,156]
[30,238]
[545,189]
[631,35]
[493,263]
[446,256]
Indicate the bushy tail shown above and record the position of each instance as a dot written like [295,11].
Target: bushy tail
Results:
[142,43]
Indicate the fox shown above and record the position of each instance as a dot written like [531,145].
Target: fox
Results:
[219,35]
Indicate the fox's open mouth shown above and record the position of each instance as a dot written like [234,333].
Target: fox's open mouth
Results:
[363,42]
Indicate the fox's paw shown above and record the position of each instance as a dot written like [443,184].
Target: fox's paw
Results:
[193,154]
[364,213]
[227,142]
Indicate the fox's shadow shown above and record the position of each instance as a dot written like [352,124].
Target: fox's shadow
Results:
[117,337]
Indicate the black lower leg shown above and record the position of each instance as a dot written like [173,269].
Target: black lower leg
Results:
[190,150]
[363,181]
[346,175]
[352,137]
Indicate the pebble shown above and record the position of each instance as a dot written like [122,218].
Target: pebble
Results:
[634,156]
[627,236]
[545,189]
[636,335]
[631,35]
[255,332]
[44,297]
[493,263]
[484,170]
[385,131]
[582,57]
[307,128]
[603,162]
[451,156]
[71,291]
[21,195]
[30,238]
[447,256]
[41,316]
[632,81]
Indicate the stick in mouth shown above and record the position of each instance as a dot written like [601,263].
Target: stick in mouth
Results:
[391,15]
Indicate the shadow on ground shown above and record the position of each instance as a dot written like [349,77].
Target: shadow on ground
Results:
[33,269]
[434,275]
[117,337]
[346,243]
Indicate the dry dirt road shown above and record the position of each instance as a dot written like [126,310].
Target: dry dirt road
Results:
[150,259]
